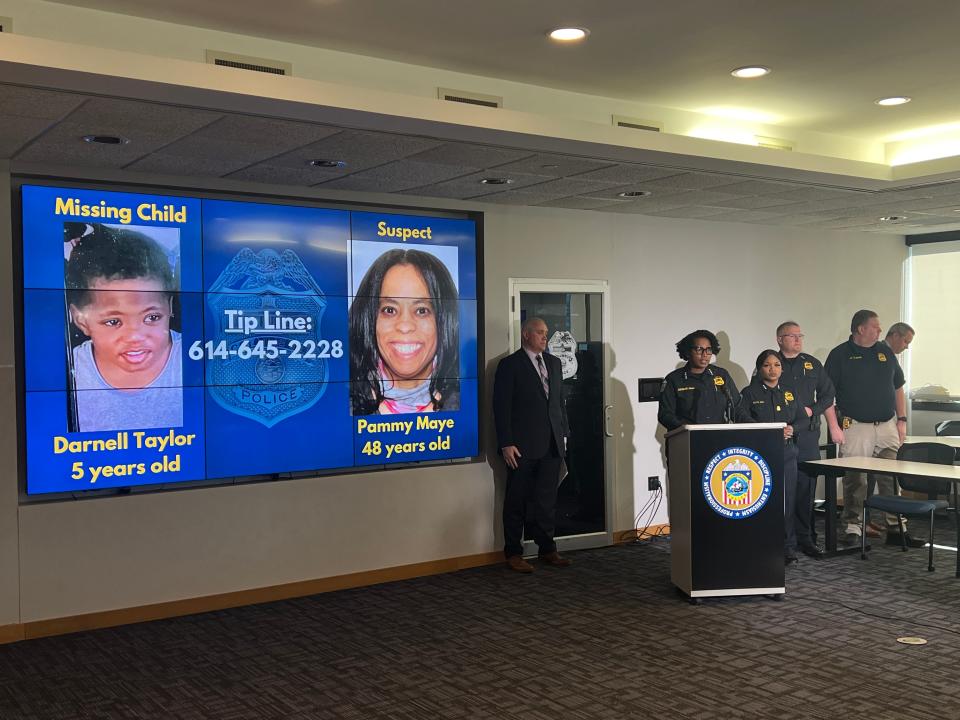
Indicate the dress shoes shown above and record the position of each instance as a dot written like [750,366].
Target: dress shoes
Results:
[811,550]
[893,538]
[556,559]
[517,563]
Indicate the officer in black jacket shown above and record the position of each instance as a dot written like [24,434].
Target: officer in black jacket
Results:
[766,400]
[815,395]
[698,393]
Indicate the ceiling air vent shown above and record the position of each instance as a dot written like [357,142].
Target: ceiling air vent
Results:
[6,24]
[773,143]
[246,62]
[470,98]
[636,123]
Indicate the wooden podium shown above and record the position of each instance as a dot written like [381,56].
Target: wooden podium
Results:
[726,509]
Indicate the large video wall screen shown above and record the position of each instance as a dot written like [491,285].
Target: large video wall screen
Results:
[172,339]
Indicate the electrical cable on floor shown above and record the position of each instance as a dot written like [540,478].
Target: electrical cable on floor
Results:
[821,601]
[653,506]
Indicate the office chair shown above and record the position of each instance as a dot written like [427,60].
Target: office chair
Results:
[948,427]
[937,453]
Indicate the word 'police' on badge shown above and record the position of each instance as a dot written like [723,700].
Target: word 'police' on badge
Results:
[737,483]
[270,296]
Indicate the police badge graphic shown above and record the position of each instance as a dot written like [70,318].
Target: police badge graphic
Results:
[563,346]
[264,364]
[737,483]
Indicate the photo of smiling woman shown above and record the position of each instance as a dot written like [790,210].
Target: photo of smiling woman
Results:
[404,336]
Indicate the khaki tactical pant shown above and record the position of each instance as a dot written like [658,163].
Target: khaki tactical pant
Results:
[868,440]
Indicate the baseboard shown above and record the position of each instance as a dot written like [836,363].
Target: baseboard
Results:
[11,633]
[626,536]
[191,606]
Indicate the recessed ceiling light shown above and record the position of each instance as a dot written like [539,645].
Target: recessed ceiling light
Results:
[897,100]
[750,71]
[634,193]
[327,163]
[568,34]
[496,181]
[893,218]
[105,139]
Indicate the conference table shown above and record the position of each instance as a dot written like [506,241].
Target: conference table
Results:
[836,467]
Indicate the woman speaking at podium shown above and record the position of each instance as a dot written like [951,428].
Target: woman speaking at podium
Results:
[698,393]
[765,400]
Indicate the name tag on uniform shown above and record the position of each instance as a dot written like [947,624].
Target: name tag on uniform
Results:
[685,389]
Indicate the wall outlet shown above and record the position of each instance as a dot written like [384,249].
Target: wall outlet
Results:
[653,482]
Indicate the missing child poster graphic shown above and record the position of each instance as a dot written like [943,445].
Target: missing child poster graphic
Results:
[169,339]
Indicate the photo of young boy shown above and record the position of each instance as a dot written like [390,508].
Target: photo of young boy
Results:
[125,359]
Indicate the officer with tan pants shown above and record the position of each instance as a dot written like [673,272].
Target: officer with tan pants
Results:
[871,410]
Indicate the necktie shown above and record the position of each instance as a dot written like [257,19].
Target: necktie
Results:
[543,375]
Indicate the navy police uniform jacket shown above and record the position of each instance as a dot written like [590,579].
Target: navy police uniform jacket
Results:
[759,403]
[812,385]
[687,398]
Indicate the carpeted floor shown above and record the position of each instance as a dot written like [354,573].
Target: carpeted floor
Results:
[606,638]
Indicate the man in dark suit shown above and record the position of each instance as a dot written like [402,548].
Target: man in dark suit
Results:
[532,436]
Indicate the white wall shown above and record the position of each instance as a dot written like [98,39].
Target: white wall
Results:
[667,277]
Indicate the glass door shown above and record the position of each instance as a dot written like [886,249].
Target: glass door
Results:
[574,312]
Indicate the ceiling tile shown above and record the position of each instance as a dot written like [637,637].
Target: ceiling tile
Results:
[564,187]
[31,103]
[739,186]
[468,155]
[800,193]
[275,174]
[468,186]
[627,174]
[15,132]
[238,141]
[613,193]
[691,181]
[396,176]
[753,202]
[556,165]
[360,150]
[184,165]
[147,126]
[699,197]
